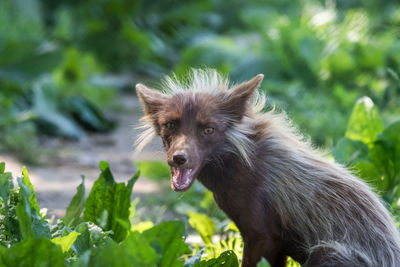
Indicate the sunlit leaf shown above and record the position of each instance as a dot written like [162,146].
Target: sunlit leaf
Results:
[204,225]
[156,170]
[365,123]
[66,241]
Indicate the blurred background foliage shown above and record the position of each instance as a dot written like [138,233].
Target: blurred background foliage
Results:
[58,58]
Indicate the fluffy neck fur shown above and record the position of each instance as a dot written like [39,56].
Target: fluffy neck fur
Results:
[319,204]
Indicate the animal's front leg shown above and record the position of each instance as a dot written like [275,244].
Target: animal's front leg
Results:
[254,250]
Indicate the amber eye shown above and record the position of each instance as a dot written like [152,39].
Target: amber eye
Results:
[208,130]
[170,125]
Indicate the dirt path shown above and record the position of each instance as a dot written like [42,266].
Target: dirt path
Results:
[55,180]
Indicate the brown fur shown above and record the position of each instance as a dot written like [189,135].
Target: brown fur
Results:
[285,198]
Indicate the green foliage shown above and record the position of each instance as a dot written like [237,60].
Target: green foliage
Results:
[372,150]
[204,225]
[32,253]
[93,240]
[108,203]
[76,206]
[263,263]
[31,223]
[156,170]
[168,236]
[227,258]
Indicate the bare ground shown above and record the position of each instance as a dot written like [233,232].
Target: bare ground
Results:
[56,178]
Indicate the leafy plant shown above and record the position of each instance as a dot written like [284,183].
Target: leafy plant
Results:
[372,150]
[93,232]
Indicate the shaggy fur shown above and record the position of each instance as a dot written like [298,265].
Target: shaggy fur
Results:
[284,196]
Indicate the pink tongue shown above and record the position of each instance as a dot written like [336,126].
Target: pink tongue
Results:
[182,178]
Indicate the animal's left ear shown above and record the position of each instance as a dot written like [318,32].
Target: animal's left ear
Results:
[236,101]
[151,99]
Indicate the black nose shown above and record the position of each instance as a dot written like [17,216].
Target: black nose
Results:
[180,158]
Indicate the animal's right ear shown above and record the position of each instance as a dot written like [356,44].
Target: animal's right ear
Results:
[151,99]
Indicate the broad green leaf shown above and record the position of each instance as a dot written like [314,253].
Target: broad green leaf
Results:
[110,198]
[156,170]
[385,154]
[263,263]
[66,241]
[365,123]
[204,225]
[75,207]
[30,223]
[32,253]
[133,251]
[227,258]
[391,135]
[167,239]
[348,151]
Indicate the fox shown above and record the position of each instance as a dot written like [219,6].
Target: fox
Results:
[283,194]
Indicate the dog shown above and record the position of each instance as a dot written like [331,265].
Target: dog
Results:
[283,195]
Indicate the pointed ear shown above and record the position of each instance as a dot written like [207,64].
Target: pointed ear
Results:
[235,103]
[151,99]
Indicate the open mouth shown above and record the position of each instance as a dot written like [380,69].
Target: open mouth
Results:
[182,179]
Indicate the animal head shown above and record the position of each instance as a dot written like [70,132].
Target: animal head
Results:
[197,120]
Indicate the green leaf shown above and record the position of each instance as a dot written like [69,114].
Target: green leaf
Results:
[156,170]
[110,198]
[365,123]
[2,167]
[167,239]
[348,151]
[204,225]
[66,241]
[90,236]
[6,184]
[75,207]
[263,263]
[385,154]
[30,222]
[133,251]
[32,196]
[32,253]
[227,258]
